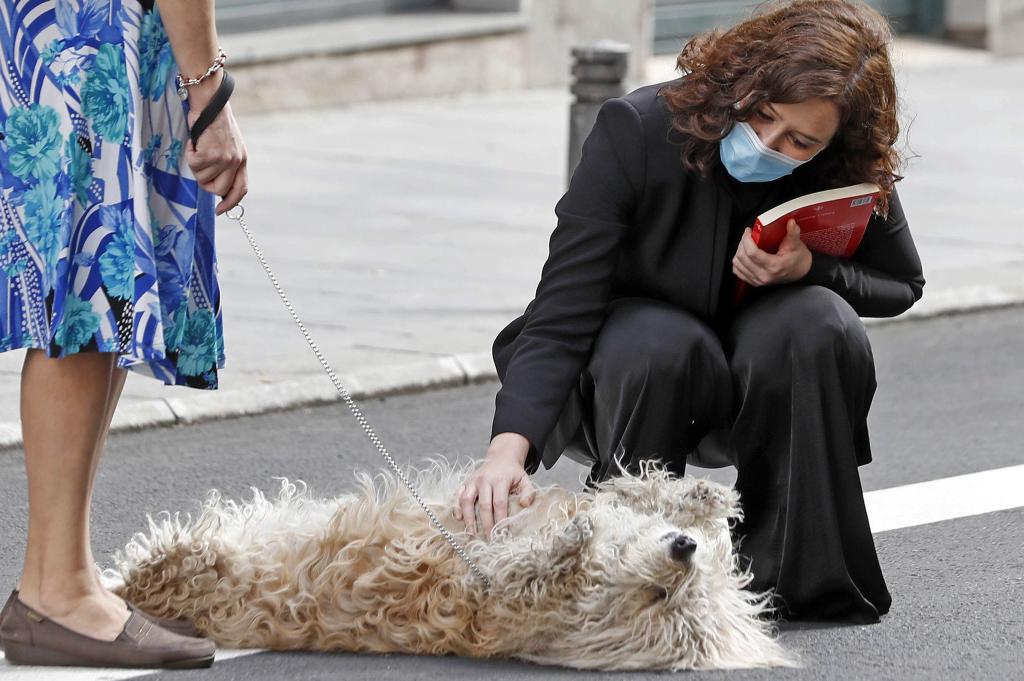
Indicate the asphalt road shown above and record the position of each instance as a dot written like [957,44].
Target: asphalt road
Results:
[950,401]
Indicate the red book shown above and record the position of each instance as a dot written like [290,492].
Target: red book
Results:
[832,222]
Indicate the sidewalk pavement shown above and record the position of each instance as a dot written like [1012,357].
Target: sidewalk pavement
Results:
[408,233]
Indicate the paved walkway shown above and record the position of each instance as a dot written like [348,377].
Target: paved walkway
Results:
[408,233]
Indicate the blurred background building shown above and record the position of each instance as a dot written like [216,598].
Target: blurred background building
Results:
[300,53]
[992,24]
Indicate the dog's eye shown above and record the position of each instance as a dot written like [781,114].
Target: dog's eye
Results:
[659,593]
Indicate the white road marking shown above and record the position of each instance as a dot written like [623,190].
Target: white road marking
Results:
[888,509]
[945,499]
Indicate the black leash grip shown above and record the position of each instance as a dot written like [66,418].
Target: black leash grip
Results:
[209,113]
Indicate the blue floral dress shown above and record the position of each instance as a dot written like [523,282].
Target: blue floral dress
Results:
[106,240]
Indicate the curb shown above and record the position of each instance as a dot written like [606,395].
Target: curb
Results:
[440,372]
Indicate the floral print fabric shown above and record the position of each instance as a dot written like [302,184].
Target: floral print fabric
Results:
[106,240]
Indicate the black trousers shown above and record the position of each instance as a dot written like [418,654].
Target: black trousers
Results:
[786,385]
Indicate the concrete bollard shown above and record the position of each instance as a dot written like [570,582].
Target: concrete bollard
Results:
[1006,27]
[598,72]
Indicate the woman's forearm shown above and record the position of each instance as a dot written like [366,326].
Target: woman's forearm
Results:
[192,32]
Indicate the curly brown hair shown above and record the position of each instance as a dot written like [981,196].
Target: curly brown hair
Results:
[790,52]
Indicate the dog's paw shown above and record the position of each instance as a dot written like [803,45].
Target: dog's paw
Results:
[708,500]
[569,543]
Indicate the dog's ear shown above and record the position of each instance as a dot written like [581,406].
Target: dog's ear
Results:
[705,500]
[528,520]
[684,501]
[544,569]
[569,544]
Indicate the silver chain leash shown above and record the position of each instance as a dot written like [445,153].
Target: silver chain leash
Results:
[353,407]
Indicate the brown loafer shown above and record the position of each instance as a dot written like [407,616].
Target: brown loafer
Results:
[7,606]
[31,638]
[3,613]
[180,625]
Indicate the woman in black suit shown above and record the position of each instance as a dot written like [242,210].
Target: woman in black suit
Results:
[632,347]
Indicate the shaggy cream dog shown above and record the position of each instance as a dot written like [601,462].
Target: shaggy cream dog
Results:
[638,574]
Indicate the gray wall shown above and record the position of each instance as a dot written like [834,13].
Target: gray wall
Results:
[967,21]
[557,25]
[997,25]
[1006,26]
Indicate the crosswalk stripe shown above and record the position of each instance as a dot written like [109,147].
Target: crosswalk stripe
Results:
[945,499]
[888,509]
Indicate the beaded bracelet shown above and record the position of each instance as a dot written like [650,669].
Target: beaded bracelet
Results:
[184,83]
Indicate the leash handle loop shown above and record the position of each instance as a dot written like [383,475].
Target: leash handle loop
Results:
[210,111]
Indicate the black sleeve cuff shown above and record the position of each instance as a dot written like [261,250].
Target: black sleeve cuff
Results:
[823,269]
[506,423]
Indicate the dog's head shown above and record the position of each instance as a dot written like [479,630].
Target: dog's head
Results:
[641,569]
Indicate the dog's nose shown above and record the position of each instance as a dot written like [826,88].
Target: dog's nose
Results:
[682,547]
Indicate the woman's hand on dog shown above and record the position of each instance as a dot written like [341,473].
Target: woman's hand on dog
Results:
[500,474]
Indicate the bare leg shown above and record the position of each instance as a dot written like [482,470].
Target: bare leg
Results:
[63,413]
[117,379]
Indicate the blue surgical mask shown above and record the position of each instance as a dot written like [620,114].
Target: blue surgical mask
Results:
[747,158]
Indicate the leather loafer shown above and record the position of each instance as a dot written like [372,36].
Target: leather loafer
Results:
[179,625]
[7,606]
[30,638]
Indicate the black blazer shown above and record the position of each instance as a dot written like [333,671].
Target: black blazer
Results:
[634,222]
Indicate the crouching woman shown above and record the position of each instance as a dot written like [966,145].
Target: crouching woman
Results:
[633,348]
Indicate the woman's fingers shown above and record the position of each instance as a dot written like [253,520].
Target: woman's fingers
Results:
[500,502]
[221,184]
[746,245]
[216,166]
[486,515]
[757,258]
[527,491]
[238,189]
[200,161]
[742,269]
[742,265]
[467,504]
[742,275]
[756,261]
[208,173]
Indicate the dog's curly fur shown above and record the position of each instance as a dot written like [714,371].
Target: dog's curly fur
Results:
[583,580]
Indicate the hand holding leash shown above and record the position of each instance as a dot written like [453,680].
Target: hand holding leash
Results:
[219,165]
